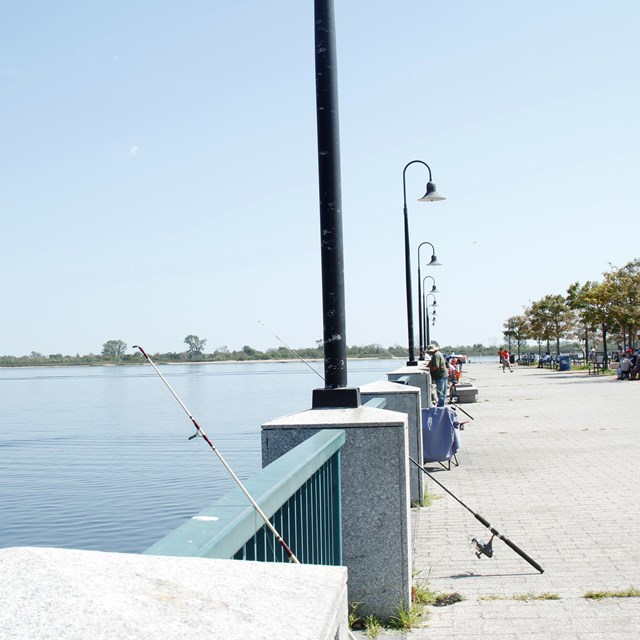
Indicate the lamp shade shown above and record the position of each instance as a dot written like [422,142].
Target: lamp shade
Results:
[434,289]
[431,195]
[434,261]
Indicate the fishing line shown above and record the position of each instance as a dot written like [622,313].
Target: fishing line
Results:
[200,431]
[295,353]
[481,547]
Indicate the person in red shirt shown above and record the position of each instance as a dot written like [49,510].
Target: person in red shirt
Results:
[506,360]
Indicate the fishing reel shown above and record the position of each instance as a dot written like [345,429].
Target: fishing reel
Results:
[483,548]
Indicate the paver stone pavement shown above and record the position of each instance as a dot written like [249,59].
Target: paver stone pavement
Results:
[551,461]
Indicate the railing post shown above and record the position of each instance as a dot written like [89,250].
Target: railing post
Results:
[406,399]
[375,498]
[417,377]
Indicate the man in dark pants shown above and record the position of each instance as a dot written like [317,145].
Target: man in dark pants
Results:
[439,372]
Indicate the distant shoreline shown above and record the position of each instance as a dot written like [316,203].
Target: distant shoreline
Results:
[183,362]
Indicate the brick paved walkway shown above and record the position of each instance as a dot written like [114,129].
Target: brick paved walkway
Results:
[552,461]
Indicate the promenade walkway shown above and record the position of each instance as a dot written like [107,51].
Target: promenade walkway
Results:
[552,461]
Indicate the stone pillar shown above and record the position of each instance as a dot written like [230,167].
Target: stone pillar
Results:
[418,377]
[406,399]
[375,498]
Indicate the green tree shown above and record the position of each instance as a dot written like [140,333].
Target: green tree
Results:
[195,345]
[578,301]
[624,286]
[550,318]
[517,328]
[595,301]
[539,325]
[114,348]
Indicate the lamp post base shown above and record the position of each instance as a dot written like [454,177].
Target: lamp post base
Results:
[342,398]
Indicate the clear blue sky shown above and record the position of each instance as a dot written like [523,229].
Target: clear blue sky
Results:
[159,175]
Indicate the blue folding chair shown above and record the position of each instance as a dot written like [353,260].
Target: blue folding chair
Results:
[440,435]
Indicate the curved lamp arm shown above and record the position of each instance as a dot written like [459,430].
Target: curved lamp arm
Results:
[434,289]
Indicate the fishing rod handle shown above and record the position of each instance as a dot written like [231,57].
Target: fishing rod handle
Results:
[522,554]
[510,544]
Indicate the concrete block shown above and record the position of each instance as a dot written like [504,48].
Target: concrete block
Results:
[466,394]
[420,377]
[63,594]
[406,399]
[375,497]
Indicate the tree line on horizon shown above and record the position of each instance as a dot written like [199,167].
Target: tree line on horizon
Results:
[116,352]
[597,314]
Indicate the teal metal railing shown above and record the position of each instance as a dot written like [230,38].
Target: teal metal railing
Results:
[299,493]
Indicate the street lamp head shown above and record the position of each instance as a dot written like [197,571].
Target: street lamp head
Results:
[434,261]
[434,289]
[431,195]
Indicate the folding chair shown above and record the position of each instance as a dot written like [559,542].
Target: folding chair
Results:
[440,435]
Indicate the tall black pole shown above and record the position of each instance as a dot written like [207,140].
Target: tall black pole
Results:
[421,343]
[426,317]
[407,268]
[407,264]
[335,393]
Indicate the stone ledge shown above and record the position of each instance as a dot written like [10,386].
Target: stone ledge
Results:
[63,594]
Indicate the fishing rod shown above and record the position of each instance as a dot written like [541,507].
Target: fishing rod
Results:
[456,406]
[200,432]
[484,548]
[295,353]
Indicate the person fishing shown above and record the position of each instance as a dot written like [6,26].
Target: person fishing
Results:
[439,372]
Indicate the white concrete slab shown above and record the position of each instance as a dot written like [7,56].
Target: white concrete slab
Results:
[61,594]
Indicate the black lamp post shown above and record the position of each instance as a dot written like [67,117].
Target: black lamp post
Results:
[433,263]
[335,392]
[431,195]
[426,315]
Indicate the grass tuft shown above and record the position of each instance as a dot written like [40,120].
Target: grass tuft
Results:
[406,619]
[631,592]
[524,597]
[354,615]
[421,594]
[372,627]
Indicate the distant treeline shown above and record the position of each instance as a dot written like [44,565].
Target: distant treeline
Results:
[223,354]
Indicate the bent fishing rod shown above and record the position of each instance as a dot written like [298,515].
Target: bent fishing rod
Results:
[200,432]
[481,547]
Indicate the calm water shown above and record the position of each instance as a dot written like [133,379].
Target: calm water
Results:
[99,457]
